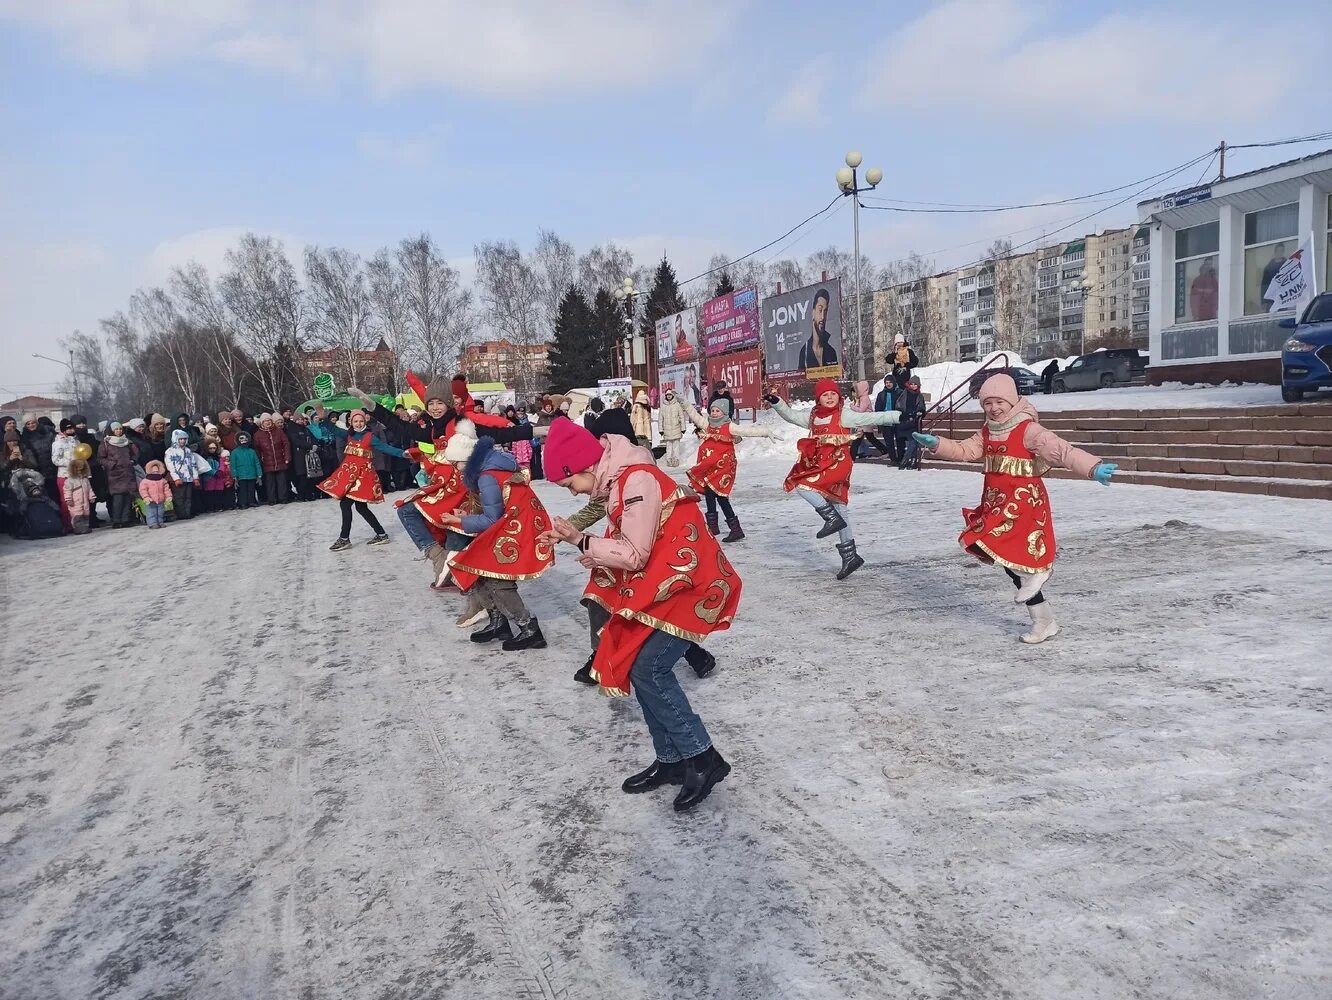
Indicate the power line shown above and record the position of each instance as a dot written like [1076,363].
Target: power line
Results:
[1293,141]
[765,246]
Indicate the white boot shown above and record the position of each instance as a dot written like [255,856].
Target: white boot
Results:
[1031,586]
[1043,625]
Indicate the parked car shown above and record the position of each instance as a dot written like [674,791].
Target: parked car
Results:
[1102,370]
[1306,358]
[1028,382]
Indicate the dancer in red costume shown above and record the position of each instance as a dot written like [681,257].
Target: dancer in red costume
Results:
[1013,526]
[715,467]
[822,474]
[354,482]
[665,581]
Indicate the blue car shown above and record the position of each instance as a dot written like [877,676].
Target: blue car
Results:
[1306,358]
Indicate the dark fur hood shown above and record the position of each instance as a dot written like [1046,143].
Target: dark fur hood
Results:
[486,457]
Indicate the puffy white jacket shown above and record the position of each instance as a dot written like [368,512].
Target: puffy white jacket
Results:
[672,420]
[62,453]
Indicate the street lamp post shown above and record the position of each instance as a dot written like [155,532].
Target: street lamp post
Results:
[848,184]
[628,298]
[1085,286]
[73,374]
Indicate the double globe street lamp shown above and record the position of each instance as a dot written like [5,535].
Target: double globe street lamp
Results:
[627,295]
[848,182]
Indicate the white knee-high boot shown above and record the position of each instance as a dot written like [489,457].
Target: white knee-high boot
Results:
[1043,624]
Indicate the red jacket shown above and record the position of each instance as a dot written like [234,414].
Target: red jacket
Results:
[274,449]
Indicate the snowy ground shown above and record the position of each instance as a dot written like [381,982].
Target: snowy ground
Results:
[238,765]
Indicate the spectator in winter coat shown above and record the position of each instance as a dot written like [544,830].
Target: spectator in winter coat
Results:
[38,435]
[97,475]
[155,439]
[227,429]
[154,489]
[62,453]
[911,404]
[305,472]
[185,470]
[1048,374]
[672,425]
[216,491]
[77,495]
[864,403]
[641,417]
[720,391]
[270,442]
[183,424]
[594,409]
[246,470]
[902,359]
[118,456]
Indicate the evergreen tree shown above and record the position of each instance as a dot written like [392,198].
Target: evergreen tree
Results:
[724,285]
[663,301]
[609,326]
[573,355]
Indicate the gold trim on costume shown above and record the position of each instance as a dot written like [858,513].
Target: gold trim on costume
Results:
[1016,567]
[1007,465]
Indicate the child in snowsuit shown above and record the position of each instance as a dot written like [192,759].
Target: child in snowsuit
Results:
[822,475]
[1013,524]
[247,470]
[154,489]
[713,474]
[77,494]
[665,582]
[184,468]
[216,493]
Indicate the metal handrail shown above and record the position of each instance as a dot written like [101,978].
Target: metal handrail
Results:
[948,405]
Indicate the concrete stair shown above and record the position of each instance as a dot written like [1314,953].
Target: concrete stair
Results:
[1271,450]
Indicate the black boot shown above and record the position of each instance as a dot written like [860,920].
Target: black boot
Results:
[584,673]
[700,774]
[529,637]
[657,774]
[850,561]
[714,526]
[736,533]
[700,659]
[832,521]
[496,628]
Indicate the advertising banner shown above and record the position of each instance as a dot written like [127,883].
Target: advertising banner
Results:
[743,373]
[613,390]
[731,322]
[677,338]
[802,331]
[685,379]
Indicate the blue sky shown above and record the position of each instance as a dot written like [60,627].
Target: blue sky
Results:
[142,133]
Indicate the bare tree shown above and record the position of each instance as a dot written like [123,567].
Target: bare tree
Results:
[132,393]
[555,264]
[603,269]
[171,339]
[389,299]
[339,313]
[200,302]
[789,273]
[510,290]
[436,309]
[263,297]
[749,273]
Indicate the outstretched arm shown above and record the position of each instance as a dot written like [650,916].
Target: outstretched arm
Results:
[1052,448]
[879,418]
[689,410]
[385,447]
[970,450]
[784,411]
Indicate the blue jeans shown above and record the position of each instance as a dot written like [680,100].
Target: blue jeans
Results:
[817,500]
[414,523]
[153,513]
[677,732]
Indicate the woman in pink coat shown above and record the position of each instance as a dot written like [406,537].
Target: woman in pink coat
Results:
[1013,525]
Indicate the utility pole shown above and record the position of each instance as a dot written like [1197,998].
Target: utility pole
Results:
[1222,175]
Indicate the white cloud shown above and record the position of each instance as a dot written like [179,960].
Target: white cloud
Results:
[992,57]
[800,102]
[208,247]
[518,48]
[404,151]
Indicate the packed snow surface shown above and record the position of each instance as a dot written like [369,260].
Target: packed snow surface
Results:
[238,765]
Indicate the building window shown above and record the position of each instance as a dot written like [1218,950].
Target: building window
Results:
[1113,314]
[1196,286]
[1072,272]
[1048,262]
[1269,239]
[1048,280]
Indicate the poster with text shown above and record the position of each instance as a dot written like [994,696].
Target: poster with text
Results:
[742,372]
[684,378]
[802,331]
[677,338]
[731,322]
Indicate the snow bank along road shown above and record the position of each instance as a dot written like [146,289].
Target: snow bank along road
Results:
[238,765]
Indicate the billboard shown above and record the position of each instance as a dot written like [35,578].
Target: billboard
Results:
[743,373]
[731,322]
[802,331]
[677,338]
[685,378]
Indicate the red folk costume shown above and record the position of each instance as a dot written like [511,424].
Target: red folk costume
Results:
[824,465]
[1013,525]
[509,549]
[355,478]
[716,466]
[688,588]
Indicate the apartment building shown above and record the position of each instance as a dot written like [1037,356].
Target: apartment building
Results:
[520,366]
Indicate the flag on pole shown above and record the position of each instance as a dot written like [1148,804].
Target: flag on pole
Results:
[1295,285]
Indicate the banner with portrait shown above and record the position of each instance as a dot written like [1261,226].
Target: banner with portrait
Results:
[685,380]
[677,338]
[802,331]
[731,322]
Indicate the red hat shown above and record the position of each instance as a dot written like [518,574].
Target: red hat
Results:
[570,449]
[460,386]
[825,385]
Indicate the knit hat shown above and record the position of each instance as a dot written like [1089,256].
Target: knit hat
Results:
[77,419]
[596,405]
[642,397]
[158,419]
[136,423]
[1000,386]
[263,417]
[825,385]
[613,421]
[66,424]
[461,443]
[459,387]
[569,450]
[28,418]
[11,437]
[116,426]
[179,434]
[899,339]
[723,404]
[438,389]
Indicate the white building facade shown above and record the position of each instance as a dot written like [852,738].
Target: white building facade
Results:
[1213,252]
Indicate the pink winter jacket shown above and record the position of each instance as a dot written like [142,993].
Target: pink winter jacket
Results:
[1044,444]
[155,490]
[642,500]
[78,497]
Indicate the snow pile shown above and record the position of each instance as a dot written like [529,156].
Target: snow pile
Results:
[936,381]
